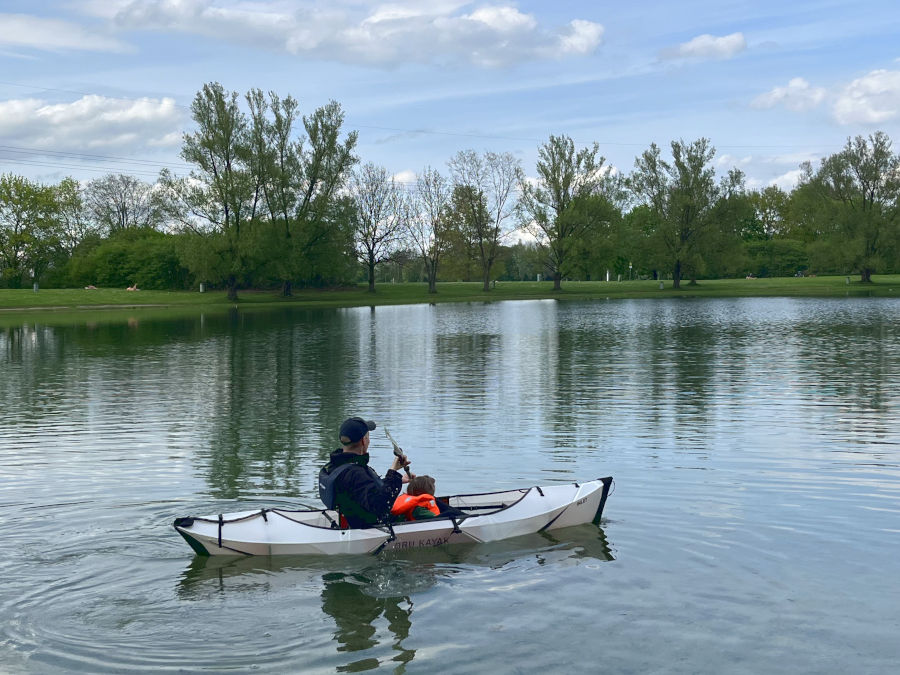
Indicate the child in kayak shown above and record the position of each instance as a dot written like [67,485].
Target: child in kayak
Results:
[418,502]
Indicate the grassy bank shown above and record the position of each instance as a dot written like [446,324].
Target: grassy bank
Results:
[81,300]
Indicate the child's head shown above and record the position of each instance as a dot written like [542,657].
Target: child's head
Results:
[420,485]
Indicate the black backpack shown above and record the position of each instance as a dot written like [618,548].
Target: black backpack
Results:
[327,480]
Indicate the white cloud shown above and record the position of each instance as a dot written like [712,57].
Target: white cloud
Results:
[92,123]
[169,140]
[798,96]
[412,9]
[871,99]
[708,47]
[787,181]
[521,236]
[753,183]
[503,19]
[343,30]
[582,37]
[732,161]
[405,177]
[22,30]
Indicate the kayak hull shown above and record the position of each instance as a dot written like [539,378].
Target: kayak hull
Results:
[489,517]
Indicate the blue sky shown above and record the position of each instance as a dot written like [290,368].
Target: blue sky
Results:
[89,87]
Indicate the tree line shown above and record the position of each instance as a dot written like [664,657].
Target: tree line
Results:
[276,199]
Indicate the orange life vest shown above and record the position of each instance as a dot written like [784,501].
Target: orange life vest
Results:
[405,504]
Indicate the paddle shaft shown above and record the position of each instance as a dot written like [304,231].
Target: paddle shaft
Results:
[398,452]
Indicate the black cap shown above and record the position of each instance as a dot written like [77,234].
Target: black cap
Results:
[354,428]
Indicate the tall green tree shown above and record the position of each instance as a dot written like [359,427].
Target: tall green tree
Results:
[770,204]
[74,218]
[327,158]
[465,222]
[217,201]
[484,188]
[300,175]
[860,187]
[597,243]
[561,206]
[733,219]
[638,241]
[680,194]
[809,221]
[29,229]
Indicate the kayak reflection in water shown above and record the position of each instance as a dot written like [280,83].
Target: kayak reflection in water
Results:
[356,612]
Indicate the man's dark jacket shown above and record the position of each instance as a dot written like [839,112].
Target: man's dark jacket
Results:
[363,498]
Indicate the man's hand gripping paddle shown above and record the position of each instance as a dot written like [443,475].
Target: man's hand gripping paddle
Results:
[399,453]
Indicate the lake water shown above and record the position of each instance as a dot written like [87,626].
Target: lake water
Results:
[754,524]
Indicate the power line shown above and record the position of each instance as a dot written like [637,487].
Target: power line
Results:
[67,154]
[28,162]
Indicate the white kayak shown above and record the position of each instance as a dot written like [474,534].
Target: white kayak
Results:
[488,517]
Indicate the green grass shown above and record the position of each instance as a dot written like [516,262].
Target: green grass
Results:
[81,300]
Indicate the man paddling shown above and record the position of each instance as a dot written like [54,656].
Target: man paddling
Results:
[359,494]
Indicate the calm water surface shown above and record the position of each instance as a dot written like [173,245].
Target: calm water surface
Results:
[754,526]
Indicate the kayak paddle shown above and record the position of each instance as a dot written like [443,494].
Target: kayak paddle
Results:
[398,452]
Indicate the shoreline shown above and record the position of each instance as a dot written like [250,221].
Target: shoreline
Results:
[55,301]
